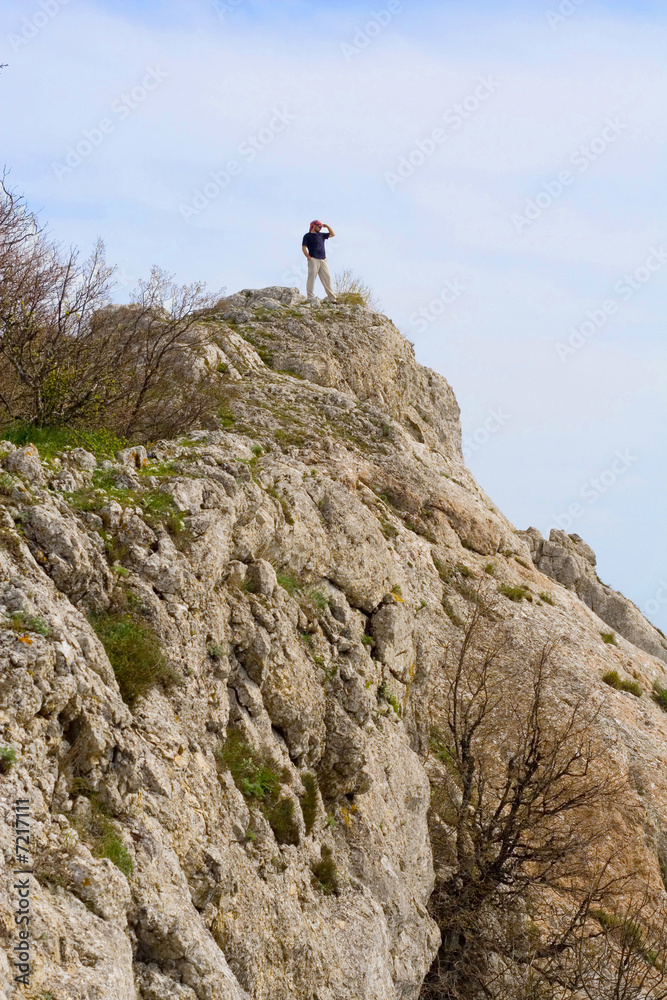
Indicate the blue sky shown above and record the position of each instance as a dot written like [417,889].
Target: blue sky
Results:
[541,203]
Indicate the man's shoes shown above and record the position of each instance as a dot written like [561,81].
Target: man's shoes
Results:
[332,302]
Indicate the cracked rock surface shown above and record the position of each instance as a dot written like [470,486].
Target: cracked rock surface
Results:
[250,819]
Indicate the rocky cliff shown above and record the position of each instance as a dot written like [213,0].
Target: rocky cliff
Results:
[217,674]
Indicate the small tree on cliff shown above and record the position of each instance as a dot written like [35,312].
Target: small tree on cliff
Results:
[68,358]
[514,808]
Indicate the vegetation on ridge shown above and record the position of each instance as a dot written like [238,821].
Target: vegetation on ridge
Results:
[69,359]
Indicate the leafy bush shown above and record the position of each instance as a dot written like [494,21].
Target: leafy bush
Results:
[134,651]
[7,759]
[351,290]
[260,783]
[609,638]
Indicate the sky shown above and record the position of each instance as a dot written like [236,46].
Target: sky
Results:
[492,170]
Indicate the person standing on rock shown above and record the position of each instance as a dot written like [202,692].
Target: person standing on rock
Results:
[312,246]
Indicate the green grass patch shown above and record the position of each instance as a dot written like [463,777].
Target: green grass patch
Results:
[451,614]
[325,873]
[260,783]
[158,508]
[7,483]
[519,593]
[319,600]
[439,746]
[158,469]
[444,572]
[490,569]
[385,694]
[101,833]
[614,680]
[51,440]
[226,417]
[289,583]
[609,638]
[660,696]
[134,651]
[389,530]
[20,621]
[547,598]
[7,759]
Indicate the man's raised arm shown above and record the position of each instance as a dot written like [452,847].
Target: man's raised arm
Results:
[331,232]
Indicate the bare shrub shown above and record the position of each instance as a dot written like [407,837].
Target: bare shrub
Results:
[69,358]
[159,352]
[516,794]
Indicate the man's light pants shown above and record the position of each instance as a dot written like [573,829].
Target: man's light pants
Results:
[320,267]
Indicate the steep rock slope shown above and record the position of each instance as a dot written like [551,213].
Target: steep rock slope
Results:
[254,822]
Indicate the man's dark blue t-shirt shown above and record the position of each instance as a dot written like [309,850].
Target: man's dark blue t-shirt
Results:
[314,243]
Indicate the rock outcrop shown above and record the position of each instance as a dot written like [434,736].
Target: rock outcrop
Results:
[568,560]
[217,674]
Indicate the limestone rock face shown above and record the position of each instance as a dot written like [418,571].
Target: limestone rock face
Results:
[232,803]
[568,560]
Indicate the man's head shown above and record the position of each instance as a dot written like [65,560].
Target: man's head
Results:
[315,226]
